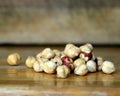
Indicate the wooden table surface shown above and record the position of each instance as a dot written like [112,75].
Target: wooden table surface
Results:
[22,81]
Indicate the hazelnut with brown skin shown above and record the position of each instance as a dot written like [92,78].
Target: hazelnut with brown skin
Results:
[108,67]
[30,61]
[78,62]
[71,51]
[81,70]
[14,59]
[62,71]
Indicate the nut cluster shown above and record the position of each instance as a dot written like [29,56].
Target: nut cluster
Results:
[78,60]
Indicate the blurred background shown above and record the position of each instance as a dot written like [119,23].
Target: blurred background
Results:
[59,21]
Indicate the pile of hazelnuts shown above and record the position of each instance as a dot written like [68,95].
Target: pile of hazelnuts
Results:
[77,60]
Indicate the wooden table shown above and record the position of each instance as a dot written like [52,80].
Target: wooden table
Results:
[22,81]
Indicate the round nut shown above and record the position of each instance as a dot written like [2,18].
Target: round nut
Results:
[81,70]
[14,59]
[91,65]
[100,63]
[85,49]
[57,60]
[108,67]
[49,67]
[30,61]
[37,66]
[57,52]
[89,45]
[85,56]
[78,62]
[62,71]
[71,51]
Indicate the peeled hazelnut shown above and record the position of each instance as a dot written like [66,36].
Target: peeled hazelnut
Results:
[62,71]
[37,66]
[89,45]
[78,62]
[14,59]
[71,51]
[91,65]
[49,67]
[57,61]
[85,56]
[99,63]
[46,53]
[57,52]
[108,67]
[85,49]
[68,62]
[30,61]
[81,70]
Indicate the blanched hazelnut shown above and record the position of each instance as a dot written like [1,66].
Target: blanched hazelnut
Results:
[85,49]
[78,62]
[89,45]
[57,60]
[81,70]
[57,52]
[108,67]
[46,53]
[91,65]
[37,66]
[71,50]
[49,67]
[62,71]
[68,62]
[14,59]
[85,56]
[30,61]
[99,63]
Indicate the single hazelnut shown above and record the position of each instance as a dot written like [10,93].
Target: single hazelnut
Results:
[108,67]
[63,71]
[89,45]
[37,66]
[78,62]
[81,70]
[71,51]
[85,56]
[57,52]
[49,67]
[30,61]
[85,49]
[91,65]
[14,59]
[99,61]
[46,53]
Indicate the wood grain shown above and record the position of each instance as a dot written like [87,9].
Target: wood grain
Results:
[22,81]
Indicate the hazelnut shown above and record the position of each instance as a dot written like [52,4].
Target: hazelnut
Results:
[71,51]
[89,45]
[99,63]
[46,53]
[37,66]
[91,65]
[108,67]
[85,49]
[30,61]
[68,62]
[57,52]
[62,71]
[78,62]
[49,67]
[14,59]
[57,60]
[81,70]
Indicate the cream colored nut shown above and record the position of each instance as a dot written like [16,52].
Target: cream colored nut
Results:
[42,60]
[86,56]
[71,50]
[63,71]
[39,55]
[85,49]
[100,63]
[46,53]
[49,67]
[108,67]
[91,65]
[62,54]
[78,62]
[57,60]
[89,45]
[37,66]
[57,52]
[30,61]
[81,70]
[14,59]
